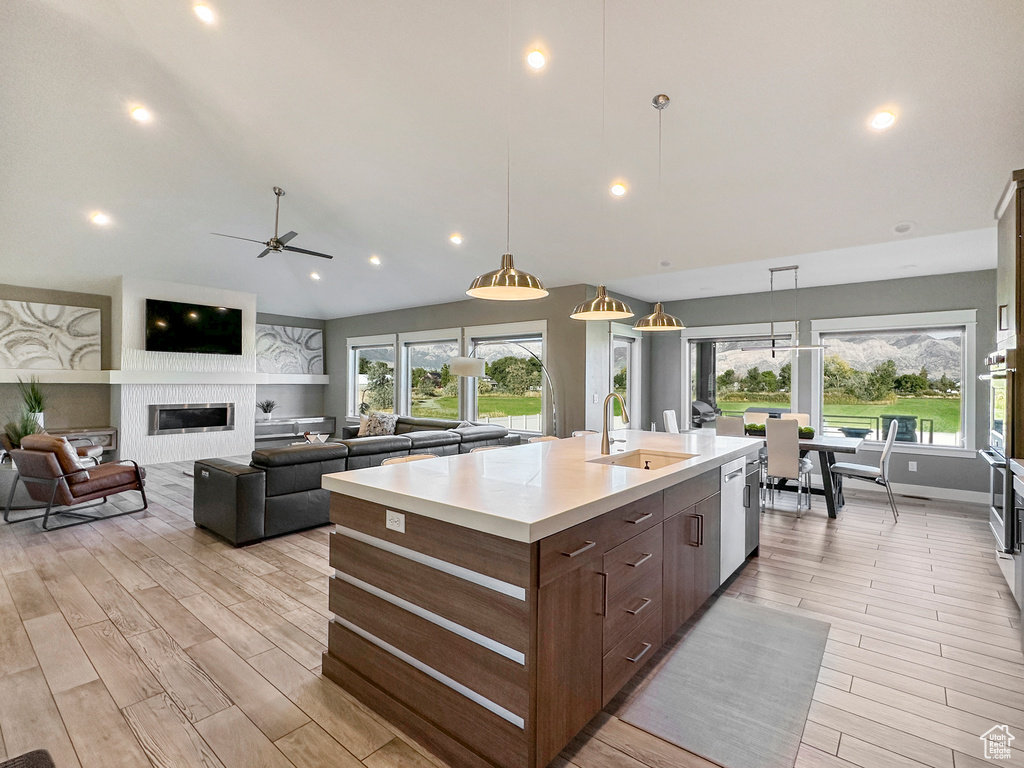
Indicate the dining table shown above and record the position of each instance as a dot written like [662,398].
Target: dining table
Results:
[827,447]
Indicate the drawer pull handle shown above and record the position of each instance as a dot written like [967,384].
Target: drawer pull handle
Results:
[635,659]
[643,559]
[640,519]
[733,475]
[581,550]
[644,603]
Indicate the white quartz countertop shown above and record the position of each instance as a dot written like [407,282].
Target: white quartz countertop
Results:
[527,492]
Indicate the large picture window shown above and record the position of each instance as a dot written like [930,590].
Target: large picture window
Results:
[373,375]
[916,370]
[511,391]
[431,390]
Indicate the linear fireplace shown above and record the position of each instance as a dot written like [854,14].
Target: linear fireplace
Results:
[191,417]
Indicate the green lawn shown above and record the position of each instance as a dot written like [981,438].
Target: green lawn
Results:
[945,412]
[487,405]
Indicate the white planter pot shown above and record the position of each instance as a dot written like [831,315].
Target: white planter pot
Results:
[38,416]
[265,416]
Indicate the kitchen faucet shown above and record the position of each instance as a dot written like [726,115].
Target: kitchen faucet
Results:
[606,447]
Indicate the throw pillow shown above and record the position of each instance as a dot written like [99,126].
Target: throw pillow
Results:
[381,423]
[363,419]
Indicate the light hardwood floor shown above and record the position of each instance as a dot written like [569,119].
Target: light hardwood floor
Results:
[145,640]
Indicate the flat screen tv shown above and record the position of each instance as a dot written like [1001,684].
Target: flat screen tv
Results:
[175,327]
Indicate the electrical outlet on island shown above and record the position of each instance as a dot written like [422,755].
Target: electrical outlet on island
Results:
[395,521]
[912,466]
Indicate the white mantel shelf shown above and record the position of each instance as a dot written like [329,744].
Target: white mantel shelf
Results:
[11,375]
[531,491]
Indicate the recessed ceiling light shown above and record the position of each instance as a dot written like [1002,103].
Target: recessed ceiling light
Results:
[193,315]
[141,115]
[618,189]
[100,219]
[375,260]
[456,238]
[204,12]
[536,59]
[883,120]
[314,275]
[903,227]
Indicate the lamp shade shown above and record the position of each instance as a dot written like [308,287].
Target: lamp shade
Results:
[507,284]
[602,307]
[659,320]
[466,366]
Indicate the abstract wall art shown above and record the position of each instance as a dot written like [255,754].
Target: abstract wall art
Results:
[49,336]
[287,349]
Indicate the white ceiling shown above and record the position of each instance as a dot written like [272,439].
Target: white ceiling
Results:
[386,124]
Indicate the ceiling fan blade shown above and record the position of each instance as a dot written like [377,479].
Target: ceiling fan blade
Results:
[236,237]
[286,237]
[263,254]
[303,250]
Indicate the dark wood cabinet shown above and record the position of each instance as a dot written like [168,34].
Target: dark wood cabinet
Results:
[570,624]
[752,507]
[692,560]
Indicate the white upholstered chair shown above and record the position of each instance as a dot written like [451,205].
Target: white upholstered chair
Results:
[671,425]
[411,457]
[784,462]
[487,448]
[729,426]
[583,432]
[879,474]
[542,439]
[802,419]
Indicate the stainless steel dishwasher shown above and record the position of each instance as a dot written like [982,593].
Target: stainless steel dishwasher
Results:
[734,516]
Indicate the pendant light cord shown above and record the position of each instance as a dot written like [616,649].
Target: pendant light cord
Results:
[508,140]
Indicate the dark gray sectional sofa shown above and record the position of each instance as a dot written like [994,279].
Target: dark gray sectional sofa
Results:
[279,491]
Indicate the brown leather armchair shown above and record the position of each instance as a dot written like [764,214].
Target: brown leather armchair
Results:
[55,476]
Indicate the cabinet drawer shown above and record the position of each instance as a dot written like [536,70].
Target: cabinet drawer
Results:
[686,494]
[633,560]
[560,552]
[630,655]
[631,607]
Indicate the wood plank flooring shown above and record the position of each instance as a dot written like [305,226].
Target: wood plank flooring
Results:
[146,639]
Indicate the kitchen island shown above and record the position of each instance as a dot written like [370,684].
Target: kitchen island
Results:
[490,604]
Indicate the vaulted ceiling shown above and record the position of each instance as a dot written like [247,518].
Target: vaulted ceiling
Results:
[387,123]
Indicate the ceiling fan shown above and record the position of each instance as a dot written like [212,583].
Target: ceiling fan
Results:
[277,244]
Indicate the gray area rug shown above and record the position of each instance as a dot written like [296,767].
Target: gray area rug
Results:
[738,688]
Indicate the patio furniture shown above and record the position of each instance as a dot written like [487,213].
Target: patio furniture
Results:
[907,430]
[784,460]
[54,475]
[879,474]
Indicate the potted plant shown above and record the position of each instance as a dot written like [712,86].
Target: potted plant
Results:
[33,398]
[755,430]
[806,433]
[267,407]
[14,431]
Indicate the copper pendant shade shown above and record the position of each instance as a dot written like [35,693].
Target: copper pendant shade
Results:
[507,284]
[659,320]
[602,307]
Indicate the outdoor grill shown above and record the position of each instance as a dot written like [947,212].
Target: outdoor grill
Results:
[702,413]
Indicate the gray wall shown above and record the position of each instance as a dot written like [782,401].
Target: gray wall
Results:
[966,290]
[294,399]
[566,342]
[68,405]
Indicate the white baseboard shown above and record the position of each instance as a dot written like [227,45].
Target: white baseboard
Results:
[922,491]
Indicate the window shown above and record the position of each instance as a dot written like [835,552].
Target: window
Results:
[914,369]
[511,391]
[373,374]
[625,369]
[430,389]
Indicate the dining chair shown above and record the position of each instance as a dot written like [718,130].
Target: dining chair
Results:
[583,432]
[671,425]
[487,448]
[542,439]
[729,426]
[784,461]
[802,419]
[879,474]
[410,457]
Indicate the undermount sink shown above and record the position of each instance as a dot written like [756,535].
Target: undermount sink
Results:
[643,459]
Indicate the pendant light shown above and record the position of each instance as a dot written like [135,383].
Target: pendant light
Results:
[507,283]
[602,307]
[659,319]
[771,317]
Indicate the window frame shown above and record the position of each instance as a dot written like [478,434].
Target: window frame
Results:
[352,345]
[954,318]
[734,333]
[515,332]
[403,377]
